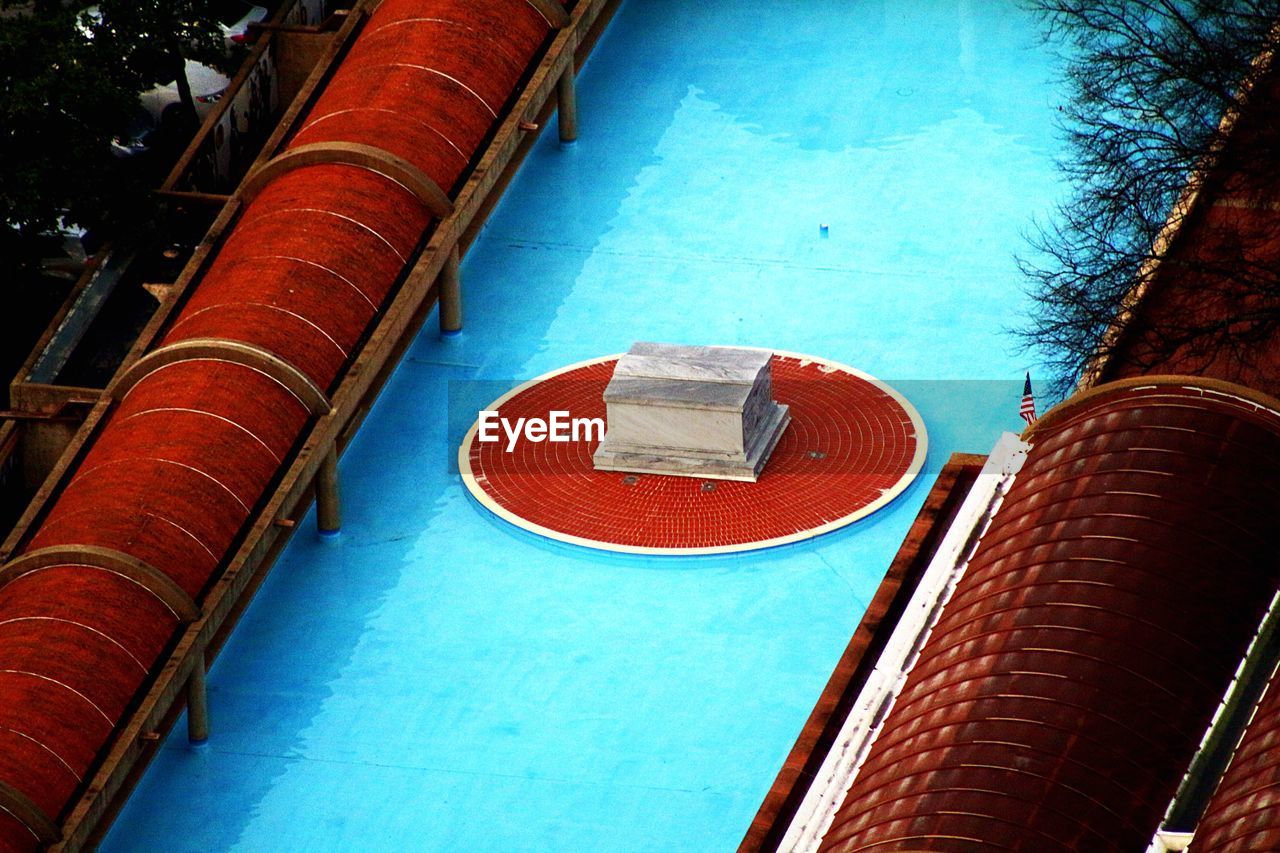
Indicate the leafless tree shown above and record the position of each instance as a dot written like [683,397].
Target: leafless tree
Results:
[1148,83]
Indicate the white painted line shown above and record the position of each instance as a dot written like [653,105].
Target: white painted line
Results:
[840,767]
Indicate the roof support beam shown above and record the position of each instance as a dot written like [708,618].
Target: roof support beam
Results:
[552,12]
[451,294]
[567,105]
[145,575]
[368,157]
[328,502]
[197,703]
[236,352]
[28,814]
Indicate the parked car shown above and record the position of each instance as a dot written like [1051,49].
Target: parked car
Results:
[64,250]
[235,16]
[137,136]
[207,84]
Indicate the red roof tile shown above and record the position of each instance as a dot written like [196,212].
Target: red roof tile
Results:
[180,463]
[1071,675]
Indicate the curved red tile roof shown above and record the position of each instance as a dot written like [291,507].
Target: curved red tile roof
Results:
[1070,677]
[182,460]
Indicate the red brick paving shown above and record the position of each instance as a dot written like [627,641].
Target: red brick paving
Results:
[847,443]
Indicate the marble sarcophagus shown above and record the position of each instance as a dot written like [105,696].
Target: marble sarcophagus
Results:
[694,411]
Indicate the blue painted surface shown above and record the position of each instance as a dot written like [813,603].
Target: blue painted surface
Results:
[433,678]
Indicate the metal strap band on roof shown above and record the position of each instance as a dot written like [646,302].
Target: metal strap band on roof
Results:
[144,574]
[552,11]
[350,154]
[236,352]
[28,814]
[1082,400]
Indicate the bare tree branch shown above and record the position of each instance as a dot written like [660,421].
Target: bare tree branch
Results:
[1149,82]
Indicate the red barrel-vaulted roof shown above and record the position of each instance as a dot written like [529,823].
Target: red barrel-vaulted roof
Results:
[1063,691]
[180,463]
[307,265]
[426,80]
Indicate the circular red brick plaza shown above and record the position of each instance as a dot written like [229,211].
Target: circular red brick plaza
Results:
[852,446]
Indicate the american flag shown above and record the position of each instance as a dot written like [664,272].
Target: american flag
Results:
[1028,407]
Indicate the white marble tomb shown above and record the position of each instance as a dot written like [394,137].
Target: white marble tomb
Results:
[691,411]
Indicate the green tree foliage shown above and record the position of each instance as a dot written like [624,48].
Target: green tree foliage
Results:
[69,85]
[65,96]
[154,38]
[1148,83]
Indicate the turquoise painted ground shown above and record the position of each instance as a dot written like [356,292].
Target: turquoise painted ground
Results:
[434,679]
